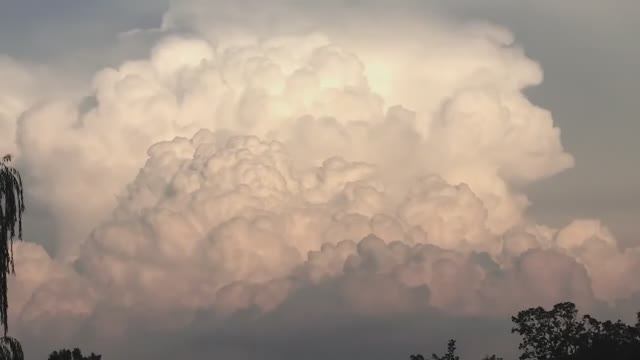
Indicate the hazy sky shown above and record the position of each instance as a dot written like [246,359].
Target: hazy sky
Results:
[259,225]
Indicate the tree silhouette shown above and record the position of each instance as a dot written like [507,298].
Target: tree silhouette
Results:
[559,334]
[451,352]
[491,357]
[10,349]
[11,209]
[610,340]
[76,354]
[549,334]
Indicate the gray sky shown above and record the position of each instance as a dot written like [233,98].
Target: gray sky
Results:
[588,52]
[591,84]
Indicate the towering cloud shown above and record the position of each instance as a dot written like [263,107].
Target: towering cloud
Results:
[243,167]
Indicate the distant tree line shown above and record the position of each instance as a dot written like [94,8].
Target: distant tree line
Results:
[75,354]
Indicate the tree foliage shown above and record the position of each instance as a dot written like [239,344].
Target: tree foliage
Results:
[559,334]
[11,209]
[75,354]
[549,334]
[450,354]
[10,349]
[492,357]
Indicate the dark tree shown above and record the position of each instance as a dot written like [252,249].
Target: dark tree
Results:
[10,349]
[549,334]
[610,340]
[559,334]
[11,209]
[74,354]
[451,352]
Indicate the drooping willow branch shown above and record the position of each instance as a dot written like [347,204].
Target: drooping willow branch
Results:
[11,209]
[10,349]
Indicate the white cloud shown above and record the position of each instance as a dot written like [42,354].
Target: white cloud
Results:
[233,171]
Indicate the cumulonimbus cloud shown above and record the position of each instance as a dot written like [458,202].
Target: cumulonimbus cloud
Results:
[232,171]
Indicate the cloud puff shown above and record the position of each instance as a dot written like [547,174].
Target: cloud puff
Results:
[230,224]
[314,96]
